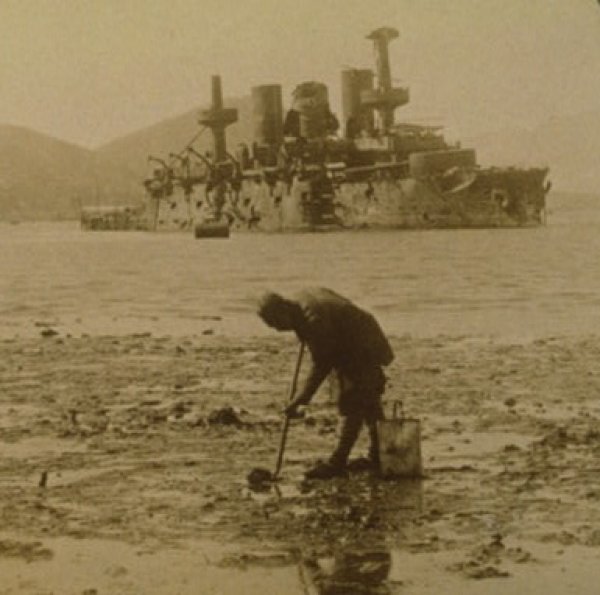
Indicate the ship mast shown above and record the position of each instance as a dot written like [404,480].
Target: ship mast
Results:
[385,98]
[217,118]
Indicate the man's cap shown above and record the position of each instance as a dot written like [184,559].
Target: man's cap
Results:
[270,302]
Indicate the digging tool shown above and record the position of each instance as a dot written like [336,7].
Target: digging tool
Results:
[286,423]
[259,476]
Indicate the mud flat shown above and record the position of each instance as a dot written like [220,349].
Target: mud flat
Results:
[124,461]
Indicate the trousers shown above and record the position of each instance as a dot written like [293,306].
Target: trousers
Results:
[359,402]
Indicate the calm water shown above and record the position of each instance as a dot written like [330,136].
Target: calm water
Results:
[511,284]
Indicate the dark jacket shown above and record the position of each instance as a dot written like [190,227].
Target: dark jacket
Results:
[342,337]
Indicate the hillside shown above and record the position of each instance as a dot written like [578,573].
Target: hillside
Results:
[172,135]
[568,145]
[42,177]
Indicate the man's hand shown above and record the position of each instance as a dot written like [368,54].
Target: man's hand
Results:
[291,410]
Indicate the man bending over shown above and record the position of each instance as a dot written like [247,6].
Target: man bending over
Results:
[344,339]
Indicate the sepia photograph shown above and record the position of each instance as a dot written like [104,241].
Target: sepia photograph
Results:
[299,297]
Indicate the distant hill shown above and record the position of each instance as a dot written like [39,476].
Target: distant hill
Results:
[42,177]
[570,146]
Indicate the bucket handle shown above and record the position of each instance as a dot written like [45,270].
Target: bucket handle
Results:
[398,405]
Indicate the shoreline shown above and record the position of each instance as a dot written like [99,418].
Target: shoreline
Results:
[121,426]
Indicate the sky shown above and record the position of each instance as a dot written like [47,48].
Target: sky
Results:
[88,71]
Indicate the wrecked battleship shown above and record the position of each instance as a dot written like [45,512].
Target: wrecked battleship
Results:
[306,171]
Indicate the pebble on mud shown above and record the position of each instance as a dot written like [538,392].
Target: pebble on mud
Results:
[179,408]
[259,479]
[30,551]
[593,539]
[480,572]
[49,332]
[225,416]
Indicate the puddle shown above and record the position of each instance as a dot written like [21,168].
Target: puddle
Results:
[553,571]
[39,447]
[75,566]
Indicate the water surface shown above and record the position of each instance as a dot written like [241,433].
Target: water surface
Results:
[512,284]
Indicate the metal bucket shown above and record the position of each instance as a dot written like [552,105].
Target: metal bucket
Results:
[400,445]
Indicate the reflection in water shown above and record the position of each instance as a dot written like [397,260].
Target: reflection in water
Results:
[354,569]
[396,501]
[359,561]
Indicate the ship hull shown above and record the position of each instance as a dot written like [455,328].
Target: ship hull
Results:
[486,198]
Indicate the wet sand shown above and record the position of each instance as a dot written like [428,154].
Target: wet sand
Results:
[117,477]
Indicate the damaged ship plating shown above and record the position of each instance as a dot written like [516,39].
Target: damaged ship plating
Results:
[306,171]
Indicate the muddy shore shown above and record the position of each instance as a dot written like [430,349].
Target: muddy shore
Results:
[118,475]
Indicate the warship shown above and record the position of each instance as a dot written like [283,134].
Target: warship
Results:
[304,170]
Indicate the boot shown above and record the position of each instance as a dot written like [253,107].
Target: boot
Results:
[360,464]
[373,447]
[350,431]
[336,465]
[371,461]
[326,470]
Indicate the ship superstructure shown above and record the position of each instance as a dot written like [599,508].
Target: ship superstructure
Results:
[304,169]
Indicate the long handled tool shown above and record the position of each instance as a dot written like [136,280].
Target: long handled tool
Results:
[286,423]
[260,478]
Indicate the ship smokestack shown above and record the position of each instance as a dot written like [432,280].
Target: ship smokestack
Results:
[267,114]
[356,117]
